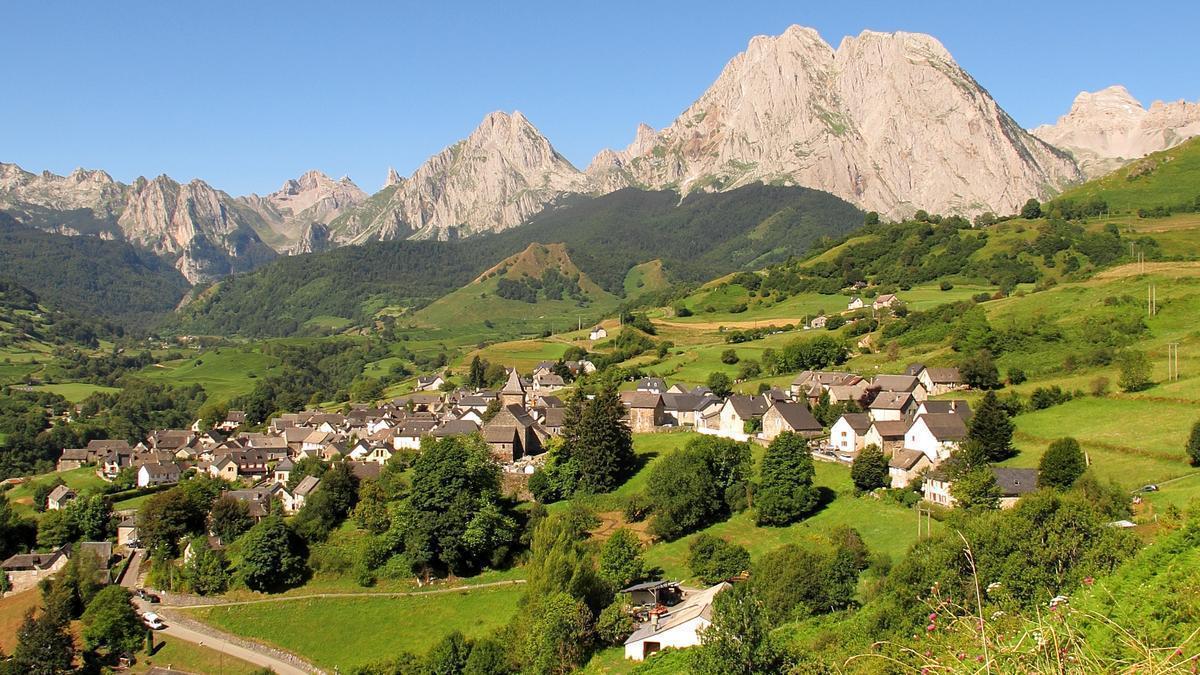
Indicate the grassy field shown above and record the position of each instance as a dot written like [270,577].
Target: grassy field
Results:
[224,373]
[12,613]
[885,527]
[75,391]
[175,654]
[81,479]
[1167,178]
[346,632]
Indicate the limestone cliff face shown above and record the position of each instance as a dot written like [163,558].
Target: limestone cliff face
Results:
[204,231]
[497,177]
[203,227]
[312,199]
[887,121]
[1108,128]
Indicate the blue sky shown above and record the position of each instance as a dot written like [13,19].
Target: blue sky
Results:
[247,94]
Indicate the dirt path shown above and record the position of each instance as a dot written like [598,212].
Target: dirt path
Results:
[167,604]
[714,325]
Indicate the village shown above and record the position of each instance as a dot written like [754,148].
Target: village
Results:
[912,418]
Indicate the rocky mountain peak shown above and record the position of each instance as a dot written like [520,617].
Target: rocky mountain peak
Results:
[887,121]
[393,178]
[504,171]
[1106,128]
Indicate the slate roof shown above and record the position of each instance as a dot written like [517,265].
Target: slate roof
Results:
[1015,482]
[945,427]
[891,428]
[748,407]
[895,382]
[640,399]
[905,459]
[859,422]
[797,416]
[891,400]
[944,375]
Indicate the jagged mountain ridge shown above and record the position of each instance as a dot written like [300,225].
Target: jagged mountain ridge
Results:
[205,232]
[1108,128]
[504,172]
[887,121]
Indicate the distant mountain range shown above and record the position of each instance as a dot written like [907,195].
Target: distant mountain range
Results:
[886,121]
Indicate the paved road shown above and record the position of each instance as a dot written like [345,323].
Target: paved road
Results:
[134,570]
[213,640]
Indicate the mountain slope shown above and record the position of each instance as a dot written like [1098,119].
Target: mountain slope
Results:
[1108,128]
[206,232]
[497,177]
[887,121]
[292,211]
[605,237]
[539,287]
[1169,179]
[88,276]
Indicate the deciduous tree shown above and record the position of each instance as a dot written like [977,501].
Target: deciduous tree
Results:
[786,493]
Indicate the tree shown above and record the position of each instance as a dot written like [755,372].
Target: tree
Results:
[207,571]
[488,657]
[16,532]
[56,528]
[739,639]
[167,517]
[615,623]
[229,518]
[68,593]
[597,446]
[870,469]
[371,513]
[729,357]
[308,466]
[714,559]
[271,556]
[1135,370]
[979,371]
[719,383]
[92,516]
[705,481]
[1031,210]
[1062,464]
[111,621]
[560,637]
[976,489]
[449,656]
[621,561]
[1193,445]
[455,486]
[872,218]
[992,429]
[795,581]
[44,646]
[786,493]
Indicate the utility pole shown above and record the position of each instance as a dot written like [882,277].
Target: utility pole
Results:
[1172,361]
[1151,301]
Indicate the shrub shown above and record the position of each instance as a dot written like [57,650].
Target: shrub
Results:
[1099,386]
[1016,375]
[713,559]
[945,285]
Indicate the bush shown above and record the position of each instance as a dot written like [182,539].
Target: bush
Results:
[713,559]
[1016,375]
[1099,386]
[945,285]
[729,357]
[870,469]
[1062,464]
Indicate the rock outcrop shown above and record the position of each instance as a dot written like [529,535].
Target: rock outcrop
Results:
[1108,128]
[497,177]
[887,121]
[204,231]
[313,198]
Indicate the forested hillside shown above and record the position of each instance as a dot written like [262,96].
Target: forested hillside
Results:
[706,235]
[88,276]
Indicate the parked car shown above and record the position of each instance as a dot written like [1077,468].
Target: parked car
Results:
[152,621]
[1150,488]
[147,596]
